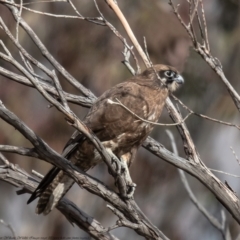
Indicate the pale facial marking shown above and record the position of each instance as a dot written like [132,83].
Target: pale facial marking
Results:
[173,86]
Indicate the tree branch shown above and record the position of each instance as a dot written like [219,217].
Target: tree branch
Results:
[74,215]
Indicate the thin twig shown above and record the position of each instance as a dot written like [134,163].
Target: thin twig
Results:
[235,155]
[37,174]
[175,10]
[204,51]
[125,24]
[225,173]
[205,27]
[82,101]
[74,8]
[200,29]
[19,150]
[126,53]
[39,12]
[60,91]
[3,159]
[206,117]
[19,15]
[194,11]
[47,1]
[123,40]
[144,120]
[221,226]
[5,48]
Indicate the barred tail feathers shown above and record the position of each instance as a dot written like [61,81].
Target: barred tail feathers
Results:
[54,192]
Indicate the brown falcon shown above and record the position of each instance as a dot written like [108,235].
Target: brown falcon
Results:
[120,131]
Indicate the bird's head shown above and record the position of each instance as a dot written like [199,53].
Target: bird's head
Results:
[167,76]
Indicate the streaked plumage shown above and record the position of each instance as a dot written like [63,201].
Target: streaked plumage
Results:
[120,131]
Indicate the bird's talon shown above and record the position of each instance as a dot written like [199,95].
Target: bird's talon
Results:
[130,190]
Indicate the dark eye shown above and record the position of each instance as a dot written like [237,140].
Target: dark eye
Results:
[169,74]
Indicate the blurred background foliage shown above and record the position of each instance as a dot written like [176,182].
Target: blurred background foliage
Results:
[92,54]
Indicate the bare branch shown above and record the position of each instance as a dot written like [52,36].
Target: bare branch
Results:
[83,101]
[73,214]
[222,227]
[126,62]
[205,27]
[19,15]
[204,51]
[3,159]
[5,48]
[201,172]
[127,48]
[125,24]
[30,152]
[225,173]
[75,9]
[46,54]
[194,11]
[60,91]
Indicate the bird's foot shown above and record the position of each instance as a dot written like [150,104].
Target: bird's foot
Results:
[120,167]
[131,186]
[127,186]
[123,179]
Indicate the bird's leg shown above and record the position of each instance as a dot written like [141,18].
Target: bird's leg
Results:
[131,186]
[123,178]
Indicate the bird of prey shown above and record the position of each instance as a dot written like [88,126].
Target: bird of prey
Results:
[120,131]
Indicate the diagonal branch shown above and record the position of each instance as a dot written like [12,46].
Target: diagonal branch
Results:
[46,53]
[227,198]
[82,101]
[73,214]
[221,227]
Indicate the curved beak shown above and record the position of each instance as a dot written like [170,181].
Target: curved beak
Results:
[179,79]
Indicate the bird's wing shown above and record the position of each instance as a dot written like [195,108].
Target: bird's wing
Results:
[105,120]
[108,119]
